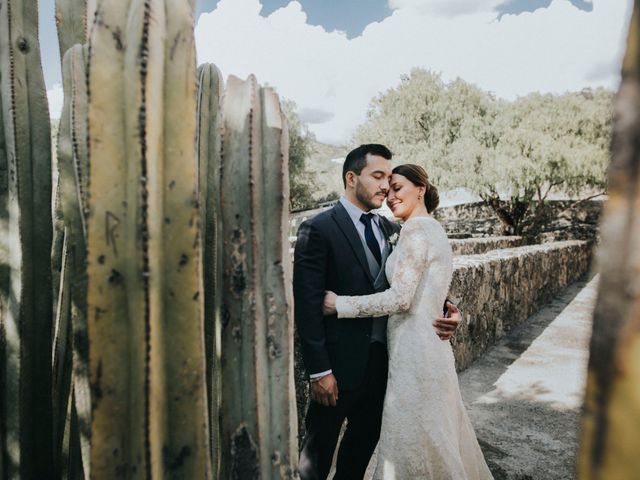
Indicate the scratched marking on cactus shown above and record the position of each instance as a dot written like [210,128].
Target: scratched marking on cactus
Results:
[112,222]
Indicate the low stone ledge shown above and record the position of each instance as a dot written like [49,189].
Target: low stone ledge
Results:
[502,288]
[473,246]
[462,246]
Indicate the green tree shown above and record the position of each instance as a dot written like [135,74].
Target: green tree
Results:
[511,154]
[300,145]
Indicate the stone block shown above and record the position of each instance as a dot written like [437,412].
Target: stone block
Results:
[473,246]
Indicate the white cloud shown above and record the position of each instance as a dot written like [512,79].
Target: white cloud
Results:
[553,49]
[55,96]
[447,8]
[332,78]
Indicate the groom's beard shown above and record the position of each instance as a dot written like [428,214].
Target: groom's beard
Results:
[367,199]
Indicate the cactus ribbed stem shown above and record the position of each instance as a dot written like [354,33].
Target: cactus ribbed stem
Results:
[257,337]
[70,341]
[243,414]
[112,357]
[145,264]
[62,355]
[5,278]
[609,430]
[210,91]
[26,288]
[77,205]
[182,292]
[278,296]
[71,19]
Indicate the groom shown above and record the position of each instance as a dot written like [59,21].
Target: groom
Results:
[344,250]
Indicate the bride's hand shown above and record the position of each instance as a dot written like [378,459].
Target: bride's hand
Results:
[329,305]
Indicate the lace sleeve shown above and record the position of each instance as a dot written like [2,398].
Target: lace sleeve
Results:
[411,263]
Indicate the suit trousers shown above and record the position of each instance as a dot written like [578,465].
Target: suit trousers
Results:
[362,408]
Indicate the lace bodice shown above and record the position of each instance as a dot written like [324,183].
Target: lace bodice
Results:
[404,272]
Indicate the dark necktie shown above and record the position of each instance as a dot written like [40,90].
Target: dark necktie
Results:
[370,238]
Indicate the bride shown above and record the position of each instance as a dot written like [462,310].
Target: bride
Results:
[426,433]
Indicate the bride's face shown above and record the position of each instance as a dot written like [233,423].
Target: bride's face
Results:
[403,196]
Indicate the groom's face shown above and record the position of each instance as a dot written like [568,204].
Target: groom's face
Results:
[372,185]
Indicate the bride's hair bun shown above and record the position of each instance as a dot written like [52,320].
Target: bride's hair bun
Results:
[418,176]
[431,198]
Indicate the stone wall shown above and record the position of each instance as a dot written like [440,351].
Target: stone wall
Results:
[467,246]
[296,218]
[502,288]
[473,246]
[567,220]
[496,291]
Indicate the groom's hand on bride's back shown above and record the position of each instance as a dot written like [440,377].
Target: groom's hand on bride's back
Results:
[325,390]
[446,326]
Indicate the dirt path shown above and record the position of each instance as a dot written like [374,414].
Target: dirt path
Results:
[524,395]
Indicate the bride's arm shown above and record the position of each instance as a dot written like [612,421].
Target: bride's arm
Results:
[411,262]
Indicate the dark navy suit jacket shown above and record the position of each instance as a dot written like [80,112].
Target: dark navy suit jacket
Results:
[329,255]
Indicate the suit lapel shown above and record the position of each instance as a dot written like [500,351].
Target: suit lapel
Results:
[343,220]
[385,227]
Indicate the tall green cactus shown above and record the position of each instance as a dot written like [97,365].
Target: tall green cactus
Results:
[259,417]
[62,357]
[5,278]
[70,341]
[278,295]
[143,250]
[80,339]
[210,91]
[71,20]
[25,288]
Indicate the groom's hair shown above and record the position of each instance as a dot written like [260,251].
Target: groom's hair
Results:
[357,158]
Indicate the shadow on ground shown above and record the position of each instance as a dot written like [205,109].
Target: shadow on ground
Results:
[525,394]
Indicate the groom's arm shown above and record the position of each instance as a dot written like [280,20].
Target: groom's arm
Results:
[309,281]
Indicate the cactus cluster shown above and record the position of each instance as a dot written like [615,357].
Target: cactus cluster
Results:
[25,249]
[147,330]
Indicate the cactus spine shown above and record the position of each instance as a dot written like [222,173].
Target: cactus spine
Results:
[26,289]
[210,91]
[145,290]
[257,338]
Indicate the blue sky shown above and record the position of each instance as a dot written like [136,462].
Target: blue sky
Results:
[350,16]
[333,56]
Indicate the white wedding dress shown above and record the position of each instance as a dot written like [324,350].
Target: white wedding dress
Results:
[426,433]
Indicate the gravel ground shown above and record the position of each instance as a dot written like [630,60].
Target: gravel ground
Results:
[524,396]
